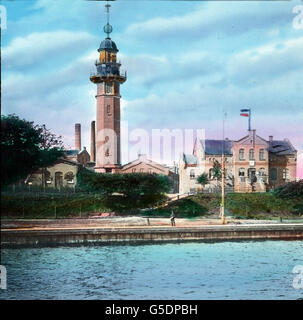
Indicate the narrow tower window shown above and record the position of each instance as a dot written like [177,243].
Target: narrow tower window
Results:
[108,110]
[108,87]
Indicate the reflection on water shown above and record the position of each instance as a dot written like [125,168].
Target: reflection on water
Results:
[220,270]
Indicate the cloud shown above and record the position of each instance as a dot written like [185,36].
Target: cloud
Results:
[38,48]
[266,62]
[211,18]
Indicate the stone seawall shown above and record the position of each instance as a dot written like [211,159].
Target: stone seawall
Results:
[109,235]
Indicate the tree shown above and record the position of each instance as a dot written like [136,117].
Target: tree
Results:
[25,147]
[203,179]
[217,170]
[125,191]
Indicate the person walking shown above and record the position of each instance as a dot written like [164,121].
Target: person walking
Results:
[172,219]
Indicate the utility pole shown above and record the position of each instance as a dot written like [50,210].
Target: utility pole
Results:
[222,207]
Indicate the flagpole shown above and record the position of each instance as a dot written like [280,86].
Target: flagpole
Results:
[249,123]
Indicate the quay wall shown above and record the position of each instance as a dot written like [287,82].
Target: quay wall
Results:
[14,237]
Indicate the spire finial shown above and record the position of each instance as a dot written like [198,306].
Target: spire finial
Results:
[107,28]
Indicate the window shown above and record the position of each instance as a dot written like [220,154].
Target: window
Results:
[262,172]
[69,177]
[211,173]
[47,177]
[108,87]
[273,173]
[192,174]
[261,154]
[241,154]
[141,170]
[108,110]
[107,153]
[150,171]
[134,170]
[58,179]
[286,174]
[241,172]
[192,190]
[251,154]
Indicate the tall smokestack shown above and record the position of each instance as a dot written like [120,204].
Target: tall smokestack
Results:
[78,136]
[93,142]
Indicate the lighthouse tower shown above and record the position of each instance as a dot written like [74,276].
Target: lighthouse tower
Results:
[108,79]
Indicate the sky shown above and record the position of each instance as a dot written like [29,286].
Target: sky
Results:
[188,63]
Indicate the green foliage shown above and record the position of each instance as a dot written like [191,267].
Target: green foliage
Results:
[129,184]
[34,205]
[290,190]
[251,205]
[182,208]
[217,169]
[203,179]
[125,191]
[25,147]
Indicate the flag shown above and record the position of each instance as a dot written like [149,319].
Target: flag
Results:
[244,112]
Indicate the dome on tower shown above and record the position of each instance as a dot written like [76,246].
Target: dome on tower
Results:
[109,45]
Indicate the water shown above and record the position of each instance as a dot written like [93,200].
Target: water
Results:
[219,270]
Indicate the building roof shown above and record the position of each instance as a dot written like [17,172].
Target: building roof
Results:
[214,147]
[189,159]
[109,45]
[281,147]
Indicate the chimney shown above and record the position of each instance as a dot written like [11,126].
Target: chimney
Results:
[93,141]
[271,138]
[78,136]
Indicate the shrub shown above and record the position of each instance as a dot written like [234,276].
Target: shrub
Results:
[290,190]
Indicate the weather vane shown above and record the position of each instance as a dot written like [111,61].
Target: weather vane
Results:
[108,28]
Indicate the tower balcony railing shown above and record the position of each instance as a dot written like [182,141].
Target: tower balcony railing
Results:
[97,77]
[98,63]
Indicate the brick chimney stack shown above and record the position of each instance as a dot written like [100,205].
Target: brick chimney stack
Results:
[93,141]
[271,138]
[78,136]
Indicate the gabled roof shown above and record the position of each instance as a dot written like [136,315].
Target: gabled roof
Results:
[214,147]
[281,147]
[189,159]
[148,162]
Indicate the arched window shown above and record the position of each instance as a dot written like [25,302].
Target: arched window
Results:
[69,177]
[286,174]
[273,173]
[241,172]
[211,173]
[261,154]
[241,154]
[48,178]
[58,179]
[108,87]
[262,172]
[192,173]
[251,154]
